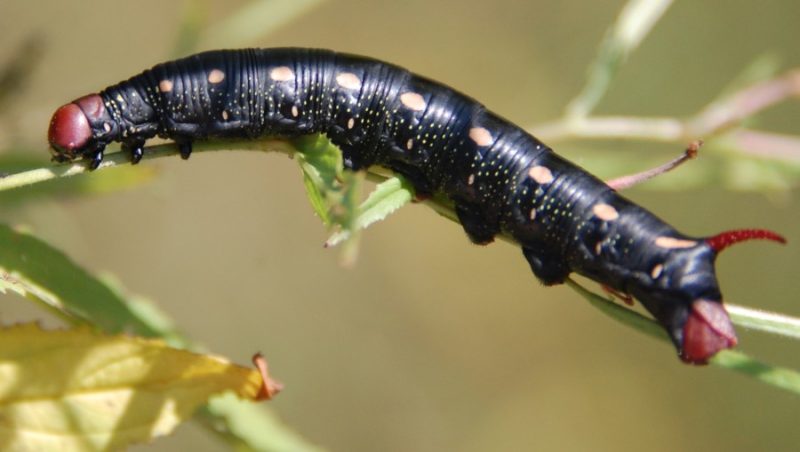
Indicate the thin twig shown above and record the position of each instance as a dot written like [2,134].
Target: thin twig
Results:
[771,322]
[787,379]
[633,24]
[623,182]
[768,145]
[731,110]
[439,204]
[151,152]
[668,130]
[712,120]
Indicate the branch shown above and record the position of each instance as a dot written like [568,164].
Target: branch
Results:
[750,318]
[769,145]
[633,24]
[731,110]
[713,120]
[151,152]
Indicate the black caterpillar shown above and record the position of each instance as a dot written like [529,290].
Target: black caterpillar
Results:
[499,177]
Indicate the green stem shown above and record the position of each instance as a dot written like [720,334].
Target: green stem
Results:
[768,322]
[778,324]
[151,152]
[779,377]
[773,323]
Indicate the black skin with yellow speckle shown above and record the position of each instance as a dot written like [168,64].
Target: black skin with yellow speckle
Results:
[499,177]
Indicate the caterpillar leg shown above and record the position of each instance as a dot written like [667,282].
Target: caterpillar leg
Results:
[95,156]
[630,180]
[478,227]
[182,134]
[185,148]
[549,267]
[422,187]
[355,160]
[135,148]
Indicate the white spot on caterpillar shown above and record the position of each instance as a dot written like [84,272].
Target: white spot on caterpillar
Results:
[119,98]
[471,179]
[480,136]
[413,101]
[225,115]
[410,143]
[672,242]
[541,174]
[107,127]
[216,76]
[348,80]
[350,123]
[533,214]
[295,111]
[598,248]
[281,74]
[165,86]
[656,271]
[605,212]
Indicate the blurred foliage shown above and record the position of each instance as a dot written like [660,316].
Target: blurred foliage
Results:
[737,156]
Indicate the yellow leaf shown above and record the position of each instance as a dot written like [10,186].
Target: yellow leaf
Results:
[82,390]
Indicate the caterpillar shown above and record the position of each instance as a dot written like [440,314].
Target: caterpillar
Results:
[500,178]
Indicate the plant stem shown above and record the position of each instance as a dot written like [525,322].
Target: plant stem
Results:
[633,24]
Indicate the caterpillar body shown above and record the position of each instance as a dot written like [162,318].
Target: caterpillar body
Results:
[499,177]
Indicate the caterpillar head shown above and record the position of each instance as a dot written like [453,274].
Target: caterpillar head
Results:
[80,128]
[683,294]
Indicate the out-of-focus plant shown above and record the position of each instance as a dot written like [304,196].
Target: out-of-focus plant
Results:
[91,304]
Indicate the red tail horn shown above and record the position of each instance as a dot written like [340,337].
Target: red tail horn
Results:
[725,239]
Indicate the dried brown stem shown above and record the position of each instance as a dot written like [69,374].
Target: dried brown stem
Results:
[716,118]
[769,145]
[731,110]
[630,180]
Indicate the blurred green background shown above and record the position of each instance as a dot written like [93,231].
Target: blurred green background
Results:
[429,343]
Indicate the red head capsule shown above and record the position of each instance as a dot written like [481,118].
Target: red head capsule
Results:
[69,131]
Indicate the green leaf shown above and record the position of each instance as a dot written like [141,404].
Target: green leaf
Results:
[323,156]
[387,197]
[315,195]
[321,163]
[110,391]
[48,276]
[33,269]
[149,313]
[779,377]
[334,193]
